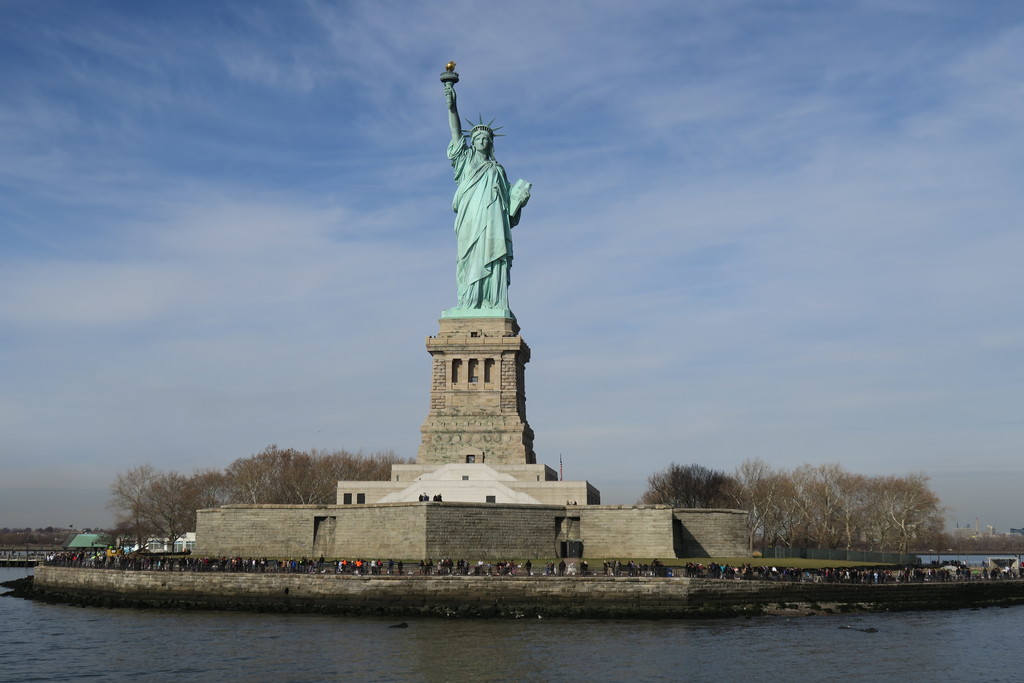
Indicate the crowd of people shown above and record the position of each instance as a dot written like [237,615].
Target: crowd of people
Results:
[106,559]
[187,563]
[957,572]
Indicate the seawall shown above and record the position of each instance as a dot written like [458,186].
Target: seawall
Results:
[600,596]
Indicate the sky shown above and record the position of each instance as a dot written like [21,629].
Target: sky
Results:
[787,230]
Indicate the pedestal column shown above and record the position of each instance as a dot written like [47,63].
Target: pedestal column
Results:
[477,399]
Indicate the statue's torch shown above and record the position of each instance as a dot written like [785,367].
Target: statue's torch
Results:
[448,76]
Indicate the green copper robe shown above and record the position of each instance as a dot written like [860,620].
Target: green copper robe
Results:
[482,227]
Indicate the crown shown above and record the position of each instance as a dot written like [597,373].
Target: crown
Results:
[474,127]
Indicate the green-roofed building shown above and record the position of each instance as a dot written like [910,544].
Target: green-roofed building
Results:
[87,541]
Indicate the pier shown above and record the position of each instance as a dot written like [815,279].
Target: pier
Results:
[22,559]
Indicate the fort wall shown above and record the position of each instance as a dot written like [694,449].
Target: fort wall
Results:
[621,531]
[712,533]
[467,530]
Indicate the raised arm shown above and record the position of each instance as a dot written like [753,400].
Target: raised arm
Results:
[453,112]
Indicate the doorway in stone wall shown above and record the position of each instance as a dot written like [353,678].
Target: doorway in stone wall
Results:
[678,537]
[571,549]
[323,535]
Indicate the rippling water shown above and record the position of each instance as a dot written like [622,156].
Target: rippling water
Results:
[40,642]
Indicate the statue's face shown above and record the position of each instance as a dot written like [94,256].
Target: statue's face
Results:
[482,142]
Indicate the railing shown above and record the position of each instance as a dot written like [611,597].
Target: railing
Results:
[21,559]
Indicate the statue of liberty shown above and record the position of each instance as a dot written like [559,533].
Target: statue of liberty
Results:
[486,209]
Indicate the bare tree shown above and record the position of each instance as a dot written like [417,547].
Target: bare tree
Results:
[346,466]
[171,506]
[163,505]
[129,499]
[690,486]
[781,516]
[210,488]
[911,507]
[150,504]
[852,506]
[274,475]
[825,506]
[878,531]
[826,503]
[252,480]
[289,476]
[757,488]
[300,481]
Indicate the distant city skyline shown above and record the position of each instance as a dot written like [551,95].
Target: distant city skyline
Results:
[757,230]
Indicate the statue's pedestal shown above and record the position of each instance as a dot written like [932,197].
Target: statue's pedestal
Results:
[477,399]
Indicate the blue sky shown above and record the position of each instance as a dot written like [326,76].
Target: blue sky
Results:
[785,230]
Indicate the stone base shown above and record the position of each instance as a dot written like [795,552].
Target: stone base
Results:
[477,398]
[472,439]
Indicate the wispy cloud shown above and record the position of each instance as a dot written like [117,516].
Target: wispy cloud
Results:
[778,231]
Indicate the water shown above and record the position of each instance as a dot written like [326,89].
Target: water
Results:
[41,642]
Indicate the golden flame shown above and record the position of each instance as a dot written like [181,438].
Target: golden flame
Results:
[450,66]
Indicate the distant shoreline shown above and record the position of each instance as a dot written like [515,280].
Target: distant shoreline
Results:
[500,596]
